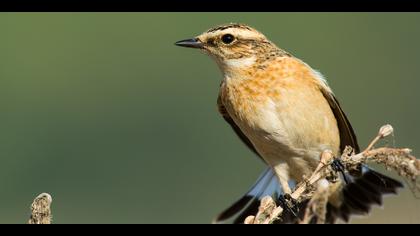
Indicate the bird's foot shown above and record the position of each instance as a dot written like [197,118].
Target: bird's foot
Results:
[338,166]
[289,204]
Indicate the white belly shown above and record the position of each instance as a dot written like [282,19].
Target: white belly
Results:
[276,144]
[288,140]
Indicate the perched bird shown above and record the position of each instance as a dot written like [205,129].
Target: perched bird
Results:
[286,113]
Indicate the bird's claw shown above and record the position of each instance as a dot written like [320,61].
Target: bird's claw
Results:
[338,166]
[289,204]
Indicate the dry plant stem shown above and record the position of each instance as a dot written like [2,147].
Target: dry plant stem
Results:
[398,159]
[41,210]
[249,220]
[317,206]
[267,205]
[374,141]
[384,131]
[267,212]
[326,158]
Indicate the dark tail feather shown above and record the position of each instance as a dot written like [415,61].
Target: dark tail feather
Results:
[361,193]
[266,185]
[247,204]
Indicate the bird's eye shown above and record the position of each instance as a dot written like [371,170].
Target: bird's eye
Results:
[227,38]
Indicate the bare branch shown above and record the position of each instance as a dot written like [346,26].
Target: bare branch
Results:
[267,212]
[317,189]
[317,206]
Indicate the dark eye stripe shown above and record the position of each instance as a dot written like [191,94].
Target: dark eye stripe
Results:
[211,42]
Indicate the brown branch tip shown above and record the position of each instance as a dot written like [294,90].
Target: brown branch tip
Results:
[41,209]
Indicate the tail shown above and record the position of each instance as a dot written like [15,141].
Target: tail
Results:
[363,190]
[266,185]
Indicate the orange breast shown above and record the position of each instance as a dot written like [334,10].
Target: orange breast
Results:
[304,115]
[254,87]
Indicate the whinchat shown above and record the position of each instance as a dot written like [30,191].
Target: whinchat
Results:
[286,113]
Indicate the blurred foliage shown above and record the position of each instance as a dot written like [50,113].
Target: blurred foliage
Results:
[102,111]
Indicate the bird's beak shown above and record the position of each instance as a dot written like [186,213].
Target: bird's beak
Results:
[190,43]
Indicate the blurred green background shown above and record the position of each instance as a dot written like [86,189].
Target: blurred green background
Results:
[102,111]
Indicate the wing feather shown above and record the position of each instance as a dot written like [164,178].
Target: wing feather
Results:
[347,135]
[235,127]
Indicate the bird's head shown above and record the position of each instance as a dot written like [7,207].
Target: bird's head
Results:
[233,45]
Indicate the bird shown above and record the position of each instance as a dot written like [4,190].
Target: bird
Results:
[285,112]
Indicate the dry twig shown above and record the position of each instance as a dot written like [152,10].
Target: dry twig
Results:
[317,206]
[41,209]
[317,192]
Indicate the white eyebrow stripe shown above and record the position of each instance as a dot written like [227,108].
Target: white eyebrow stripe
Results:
[242,33]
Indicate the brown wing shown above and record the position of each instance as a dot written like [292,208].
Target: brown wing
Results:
[347,135]
[366,186]
[229,120]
